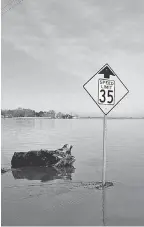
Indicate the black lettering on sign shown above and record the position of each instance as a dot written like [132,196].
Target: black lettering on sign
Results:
[110,95]
[103,95]
[106,92]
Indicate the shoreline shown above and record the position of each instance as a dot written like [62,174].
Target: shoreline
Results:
[75,118]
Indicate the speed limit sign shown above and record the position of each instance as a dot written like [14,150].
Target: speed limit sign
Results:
[106,92]
[106,89]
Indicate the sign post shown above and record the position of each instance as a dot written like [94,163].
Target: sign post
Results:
[104,150]
[106,90]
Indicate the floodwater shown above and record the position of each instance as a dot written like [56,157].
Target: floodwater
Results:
[45,196]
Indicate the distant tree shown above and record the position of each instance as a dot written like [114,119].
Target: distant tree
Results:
[3,113]
[59,115]
[6,113]
[41,114]
[18,112]
[29,113]
[37,114]
[51,114]
[67,116]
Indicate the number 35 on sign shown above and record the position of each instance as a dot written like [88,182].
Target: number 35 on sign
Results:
[106,92]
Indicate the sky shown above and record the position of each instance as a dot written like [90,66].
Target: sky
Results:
[50,48]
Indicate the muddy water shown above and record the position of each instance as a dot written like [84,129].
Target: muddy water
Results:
[46,196]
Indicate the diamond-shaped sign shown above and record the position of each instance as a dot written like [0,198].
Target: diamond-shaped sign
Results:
[106,89]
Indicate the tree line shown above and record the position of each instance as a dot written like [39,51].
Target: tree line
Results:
[20,112]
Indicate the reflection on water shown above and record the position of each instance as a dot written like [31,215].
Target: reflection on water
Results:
[103,206]
[66,203]
[43,173]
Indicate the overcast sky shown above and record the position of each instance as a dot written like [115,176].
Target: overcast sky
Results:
[50,48]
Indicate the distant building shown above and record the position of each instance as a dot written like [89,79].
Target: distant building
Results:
[8,116]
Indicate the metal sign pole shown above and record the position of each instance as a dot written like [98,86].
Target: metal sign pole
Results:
[104,151]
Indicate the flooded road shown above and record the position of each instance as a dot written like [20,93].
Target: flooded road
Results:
[48,196]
